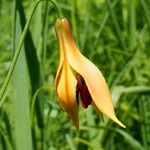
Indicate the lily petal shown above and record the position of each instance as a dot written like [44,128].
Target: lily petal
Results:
[93,77]
[61,59]
[66,91]
[65,82]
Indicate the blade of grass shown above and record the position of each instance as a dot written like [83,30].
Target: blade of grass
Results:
[102,25]
[89,144]
[6,137]
[44,39]
[73,18]
[8,128]
[146,11]
[133,143]
[36,28]
[5,143]
[34,72]
[0,7]
[116,25]
[93,135]
[144,106]
[21,95]
[86,23]
[70,142]
[132,23]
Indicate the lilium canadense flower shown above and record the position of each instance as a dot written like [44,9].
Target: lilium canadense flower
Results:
[78,78]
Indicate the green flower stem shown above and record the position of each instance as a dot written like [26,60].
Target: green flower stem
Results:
[45,88]
[17,52]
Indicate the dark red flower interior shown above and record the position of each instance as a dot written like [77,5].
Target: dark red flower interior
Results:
[83,92]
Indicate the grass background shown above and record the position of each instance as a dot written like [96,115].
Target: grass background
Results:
[115,35]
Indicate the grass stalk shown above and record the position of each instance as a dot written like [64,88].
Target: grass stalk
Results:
[132,24]
[146,11]
[116,25]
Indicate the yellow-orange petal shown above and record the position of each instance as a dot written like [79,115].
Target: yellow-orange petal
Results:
[93,77]
[66,91]
[61,58]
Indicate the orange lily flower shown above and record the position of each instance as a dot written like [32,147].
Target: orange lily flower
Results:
[78,78]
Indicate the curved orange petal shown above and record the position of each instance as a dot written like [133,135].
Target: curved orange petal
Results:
[65,83]
[61,59]
[92,76]
[66,91]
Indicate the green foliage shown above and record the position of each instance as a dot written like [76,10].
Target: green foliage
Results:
[114,35]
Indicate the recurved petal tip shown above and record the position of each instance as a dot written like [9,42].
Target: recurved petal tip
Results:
[112,116]
[118,122]
[75,120]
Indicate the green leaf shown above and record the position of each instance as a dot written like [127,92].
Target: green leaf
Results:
[21,96]
[133,142]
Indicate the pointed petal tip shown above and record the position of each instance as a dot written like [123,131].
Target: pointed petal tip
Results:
[76,122]
[77,127]
[118,122]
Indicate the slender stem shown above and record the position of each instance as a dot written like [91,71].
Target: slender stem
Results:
[17,52]
[60,15]
[34,99]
